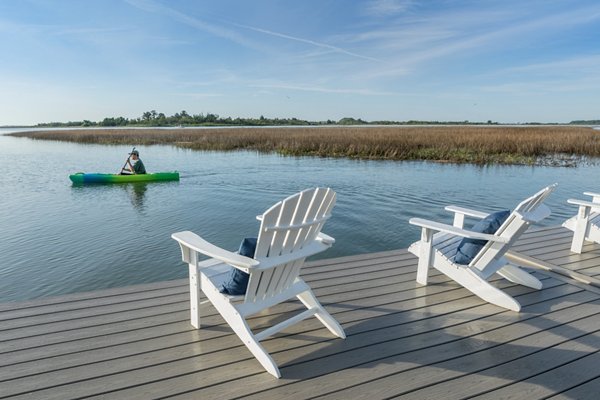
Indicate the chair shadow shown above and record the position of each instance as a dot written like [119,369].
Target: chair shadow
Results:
[422,348]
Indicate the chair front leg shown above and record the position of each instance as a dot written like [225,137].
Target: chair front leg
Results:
[194,296]
[425,255]
[581,229]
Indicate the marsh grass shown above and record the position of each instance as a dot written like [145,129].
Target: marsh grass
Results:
[456,144]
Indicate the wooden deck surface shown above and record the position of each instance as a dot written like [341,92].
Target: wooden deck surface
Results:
[404,340]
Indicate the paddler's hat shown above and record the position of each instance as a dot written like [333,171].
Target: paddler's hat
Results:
[135,152]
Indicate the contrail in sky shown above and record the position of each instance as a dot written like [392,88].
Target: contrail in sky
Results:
[151,6]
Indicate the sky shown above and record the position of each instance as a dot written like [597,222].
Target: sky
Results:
[507,61]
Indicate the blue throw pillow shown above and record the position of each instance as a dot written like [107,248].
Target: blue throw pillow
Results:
[468,248]
[237,283]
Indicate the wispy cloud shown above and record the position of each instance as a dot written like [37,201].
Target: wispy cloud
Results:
[321,89]
[234,35]
[307,41]
[216,30]
[198,95]
[588,63]
[575,74]
[388,7]
[56,29]
[395,54]
[76,31]
[417,41]
[541,87]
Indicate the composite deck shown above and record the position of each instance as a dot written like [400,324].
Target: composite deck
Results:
[404,340]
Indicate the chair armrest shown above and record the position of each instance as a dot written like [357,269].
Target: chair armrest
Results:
[325,239]
[592,194]
[196,243]
[437,226]
[466,211]
[541,212]
[584,203]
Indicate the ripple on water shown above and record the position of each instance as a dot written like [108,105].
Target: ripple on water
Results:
[58,239]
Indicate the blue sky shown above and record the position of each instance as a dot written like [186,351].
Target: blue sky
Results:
[453,60]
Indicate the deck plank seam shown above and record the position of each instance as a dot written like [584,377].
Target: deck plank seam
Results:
[98,295]
[282,334]
[574,282]
[444,328]
[304,332]
[571,388]
[84,317]
[445,343]
[161,380]
[403,263]
[355,257]
[92,307]
[186,290]
[541,372]
[180,282]
[444,291]
[419,349]
[504,362]
[185,302]
[93,336]
[475,371]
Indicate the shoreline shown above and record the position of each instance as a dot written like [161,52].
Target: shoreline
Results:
[554,145]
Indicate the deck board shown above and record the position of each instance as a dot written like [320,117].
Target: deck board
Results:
[404,340]
[586,390]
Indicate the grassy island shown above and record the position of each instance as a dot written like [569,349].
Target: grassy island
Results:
[497,144]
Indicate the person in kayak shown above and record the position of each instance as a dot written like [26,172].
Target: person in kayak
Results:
[137,167]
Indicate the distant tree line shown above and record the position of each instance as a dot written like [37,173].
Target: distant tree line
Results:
[183,118]
[586,122]
[153,118]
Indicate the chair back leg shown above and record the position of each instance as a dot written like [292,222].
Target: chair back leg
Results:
[310,301]
[581,229]
[516,275]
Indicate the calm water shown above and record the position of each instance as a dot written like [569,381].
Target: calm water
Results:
[56,238]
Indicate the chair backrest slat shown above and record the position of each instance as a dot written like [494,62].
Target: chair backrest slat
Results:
[531,204]
[300,223]
[319,212]
[517,222]
[285,228]
[286,218]
[264,284]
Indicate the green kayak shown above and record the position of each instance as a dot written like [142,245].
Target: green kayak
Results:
[81,178]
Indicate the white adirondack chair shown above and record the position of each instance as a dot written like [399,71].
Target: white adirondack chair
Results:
[438,250]
[586,224]
[289,232]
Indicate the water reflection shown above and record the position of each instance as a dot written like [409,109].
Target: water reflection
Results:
[137,192]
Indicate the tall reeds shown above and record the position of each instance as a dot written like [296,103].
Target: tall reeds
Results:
[459,144]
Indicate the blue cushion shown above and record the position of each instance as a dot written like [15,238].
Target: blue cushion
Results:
[237,283]
[468,248]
